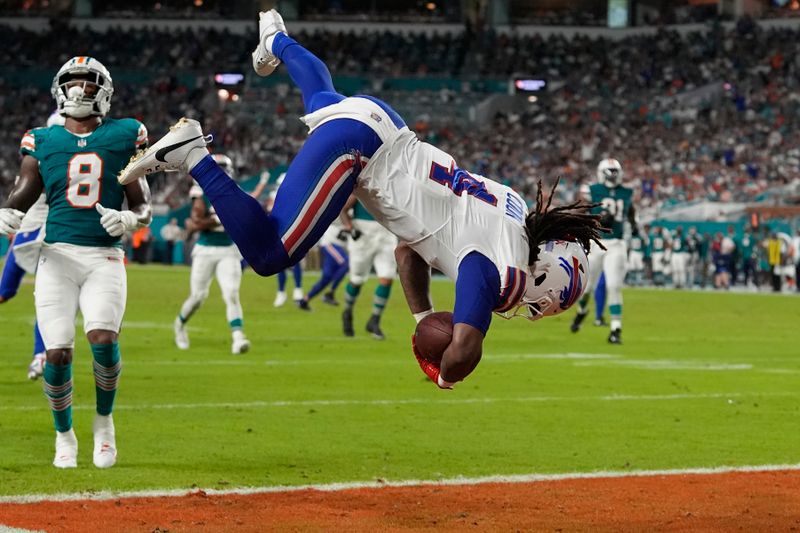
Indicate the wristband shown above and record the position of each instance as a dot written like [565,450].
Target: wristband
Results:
[419,316]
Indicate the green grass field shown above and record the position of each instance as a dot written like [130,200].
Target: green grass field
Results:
[703,380]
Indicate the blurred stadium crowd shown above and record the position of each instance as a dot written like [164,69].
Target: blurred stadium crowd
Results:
[708,115]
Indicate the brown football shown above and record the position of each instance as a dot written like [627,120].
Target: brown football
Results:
[433,335]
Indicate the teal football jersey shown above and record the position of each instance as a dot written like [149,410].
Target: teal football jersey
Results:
[215,236]
[657,241]
[360,213]
[80,171]
[615,201]
[679,243]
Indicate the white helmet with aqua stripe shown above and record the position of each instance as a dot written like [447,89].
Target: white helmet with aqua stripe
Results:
[82,87]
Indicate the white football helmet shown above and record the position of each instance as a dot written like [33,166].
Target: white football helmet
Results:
[609,173]
[71,88]
[555,282]
[226,163]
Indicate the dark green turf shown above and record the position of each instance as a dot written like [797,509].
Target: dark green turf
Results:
[703,380]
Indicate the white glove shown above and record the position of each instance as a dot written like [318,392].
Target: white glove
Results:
[10,219]
[117,223]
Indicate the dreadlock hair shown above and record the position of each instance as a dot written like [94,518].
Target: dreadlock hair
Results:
[572,222]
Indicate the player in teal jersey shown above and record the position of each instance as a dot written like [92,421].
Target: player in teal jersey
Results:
[214,253]
[370,245]
[81,264]
[615,207]
[658,250]
[636,253]
[679,259]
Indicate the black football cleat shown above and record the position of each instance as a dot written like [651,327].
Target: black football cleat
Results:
[374,327]
[347,323]
[576,322]
[328,298]
[303,304]
[600,322]
[615,337]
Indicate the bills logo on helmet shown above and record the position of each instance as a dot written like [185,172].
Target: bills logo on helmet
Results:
[574,288]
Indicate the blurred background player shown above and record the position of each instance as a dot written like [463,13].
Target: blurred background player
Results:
[81,264]
[615,207]
[658,254]
[679,261]
[448,218]
[370,245]
[214,254]
[600,302]
[335,264]
[22,257]
[635,265]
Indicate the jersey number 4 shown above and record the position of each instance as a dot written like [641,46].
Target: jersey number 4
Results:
[458,181]
[84,180]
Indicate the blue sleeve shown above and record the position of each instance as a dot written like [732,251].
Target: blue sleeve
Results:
[477,291]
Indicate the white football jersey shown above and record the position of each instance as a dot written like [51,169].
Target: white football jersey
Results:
[331,235]
[418,193]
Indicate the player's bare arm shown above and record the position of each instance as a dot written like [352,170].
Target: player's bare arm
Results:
[415,277]
[463,354]
[201,219]
[24,194]
[138,195]
[28,187]
[344,216]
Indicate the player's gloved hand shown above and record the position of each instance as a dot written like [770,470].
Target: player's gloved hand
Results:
[432,370]
[342,235]
[117,223]
[355,234]
[10,220]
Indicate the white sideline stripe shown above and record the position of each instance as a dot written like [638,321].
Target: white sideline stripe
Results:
[456,481]
[667,364]
[9,529]
[426,401]
[499,358]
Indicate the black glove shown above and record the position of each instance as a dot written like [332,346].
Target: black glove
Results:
[355,234]
[342,235]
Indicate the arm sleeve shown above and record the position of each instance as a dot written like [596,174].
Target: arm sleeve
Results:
[477,291]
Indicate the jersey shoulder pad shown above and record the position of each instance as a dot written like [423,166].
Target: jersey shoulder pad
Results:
[31,140]
[134,129]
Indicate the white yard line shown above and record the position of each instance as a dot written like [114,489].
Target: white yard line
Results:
[728,396]
[333,487]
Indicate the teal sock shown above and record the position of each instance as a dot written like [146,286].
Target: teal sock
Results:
[236,323]
[58,390]
[107,368]
[380,298]
[351,294]
[615,311]
[583,303]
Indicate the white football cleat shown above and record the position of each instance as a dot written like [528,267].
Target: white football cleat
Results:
[36,368]
[105,443]
[180,149]
[66,450]
[181,337]
[269,23]
[280,299]
[240,343]
[297,294]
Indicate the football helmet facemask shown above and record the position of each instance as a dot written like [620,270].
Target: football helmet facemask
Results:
[82,87]
[555,282]
[609,173]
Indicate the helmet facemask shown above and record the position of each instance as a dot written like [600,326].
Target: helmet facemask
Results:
[82,90]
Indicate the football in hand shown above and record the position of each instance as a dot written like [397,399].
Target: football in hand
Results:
[433,335]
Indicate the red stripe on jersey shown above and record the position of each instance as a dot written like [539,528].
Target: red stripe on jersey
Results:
[314,203]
